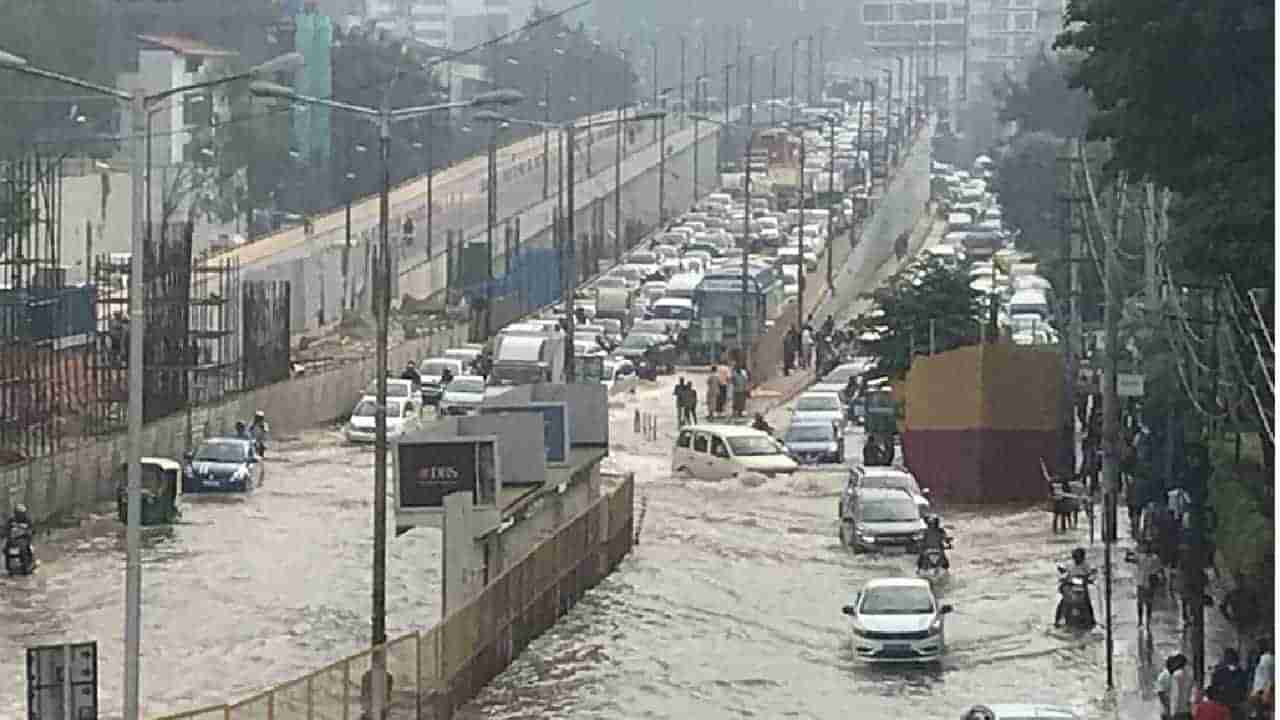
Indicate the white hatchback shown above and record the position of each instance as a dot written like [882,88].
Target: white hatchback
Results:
[898,620]
[401,413]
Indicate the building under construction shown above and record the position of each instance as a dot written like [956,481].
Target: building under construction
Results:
[64,350]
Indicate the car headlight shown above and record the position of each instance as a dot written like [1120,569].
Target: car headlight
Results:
[241,473]
[935,627]
[864,537]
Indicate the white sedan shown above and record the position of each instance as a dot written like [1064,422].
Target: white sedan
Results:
[898,620]
[360,428]
[619,376]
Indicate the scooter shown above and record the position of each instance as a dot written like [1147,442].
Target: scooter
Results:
[1075,600]
[19,559]
[931,566]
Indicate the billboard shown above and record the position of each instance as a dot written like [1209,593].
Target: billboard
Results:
[555,426]
[428,471]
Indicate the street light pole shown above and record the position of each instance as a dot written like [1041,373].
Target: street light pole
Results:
[744,348]
[808,77]
[383,116]
[684,109]
[831,189]
[800,279]
[139,104]
[491,219]
[773,91]
[791,102]
[546,137]
[570,359]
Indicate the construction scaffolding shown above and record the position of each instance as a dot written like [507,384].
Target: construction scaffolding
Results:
[192,348]
[46,328]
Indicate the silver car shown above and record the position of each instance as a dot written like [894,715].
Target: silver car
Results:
[816,407]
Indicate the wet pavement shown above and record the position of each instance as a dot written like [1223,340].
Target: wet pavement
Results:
[243,592]
[730,607]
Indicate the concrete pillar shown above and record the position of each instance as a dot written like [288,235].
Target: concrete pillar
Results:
[463,558]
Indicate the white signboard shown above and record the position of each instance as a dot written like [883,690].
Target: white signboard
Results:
[1130,384]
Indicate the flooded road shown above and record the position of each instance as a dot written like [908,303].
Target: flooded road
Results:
[243,592]
[730,607]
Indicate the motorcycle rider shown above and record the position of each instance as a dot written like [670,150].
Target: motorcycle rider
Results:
[411,373]
[20,517]
[761,424]
[935,538]
[242,431]
[1079,568]
[258,431]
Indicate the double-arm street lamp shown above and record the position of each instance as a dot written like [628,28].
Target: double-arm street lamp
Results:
[383,117]
[140,106]
[568,254]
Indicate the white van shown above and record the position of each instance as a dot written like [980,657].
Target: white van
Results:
[715,452]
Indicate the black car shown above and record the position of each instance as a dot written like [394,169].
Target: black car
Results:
[655,350]
[222,465]
[814,442]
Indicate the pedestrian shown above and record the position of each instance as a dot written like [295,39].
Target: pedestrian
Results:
[1212,707]
[678,394]
[1263,679]
[1148,569]
[1232,683]
[739,391]
[713,391]
[789,350]
[1173,687]
[1132,502]
[806,346]
[691,404]
[722,400]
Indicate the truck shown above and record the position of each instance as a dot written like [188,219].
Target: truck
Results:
[614,303]
[525,357]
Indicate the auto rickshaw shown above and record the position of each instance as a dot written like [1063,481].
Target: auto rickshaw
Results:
[881,427]
[160,491]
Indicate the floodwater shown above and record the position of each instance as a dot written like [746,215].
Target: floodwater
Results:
[730,607]
[244,592]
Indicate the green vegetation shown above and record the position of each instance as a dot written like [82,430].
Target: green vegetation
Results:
[928,290]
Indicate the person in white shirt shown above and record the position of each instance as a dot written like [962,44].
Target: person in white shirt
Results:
[1148,567]
[1173,687]
[1264,672]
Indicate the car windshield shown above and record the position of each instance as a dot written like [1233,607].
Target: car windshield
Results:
[818,403]
[890,510]
[673,312]
[393,389]
[901,482]
[223,452]
[743,446]
[505,375]
[466,386]
[367,408]
[435,369]
[639,341]
[896,601]
[809,433]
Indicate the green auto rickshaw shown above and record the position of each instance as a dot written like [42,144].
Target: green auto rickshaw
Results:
[161,488]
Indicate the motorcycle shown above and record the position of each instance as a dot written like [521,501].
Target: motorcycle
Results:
[19,559]
[1076,608]
[931,566]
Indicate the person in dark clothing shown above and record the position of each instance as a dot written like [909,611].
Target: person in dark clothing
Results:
[935,538]
[790,349]
[1232,682]
[679,394]
[411,373]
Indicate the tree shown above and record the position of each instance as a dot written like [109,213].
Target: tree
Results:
[1186,90]
[1028,187]
[59,35]
[929,290]
[1043,101]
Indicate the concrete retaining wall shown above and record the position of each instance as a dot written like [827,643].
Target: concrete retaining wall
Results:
[84,476]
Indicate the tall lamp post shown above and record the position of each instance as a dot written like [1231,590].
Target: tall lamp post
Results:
[569,245]
[140,105]
[383,117]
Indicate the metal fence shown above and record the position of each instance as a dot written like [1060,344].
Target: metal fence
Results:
[266,333]
[436,671]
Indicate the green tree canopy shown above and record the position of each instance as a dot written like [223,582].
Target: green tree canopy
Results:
[57,35]
[1028,187]
[1043,101]
[928,290]
[1186,90]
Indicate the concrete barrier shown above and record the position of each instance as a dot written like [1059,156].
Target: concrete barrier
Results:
[436,671]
